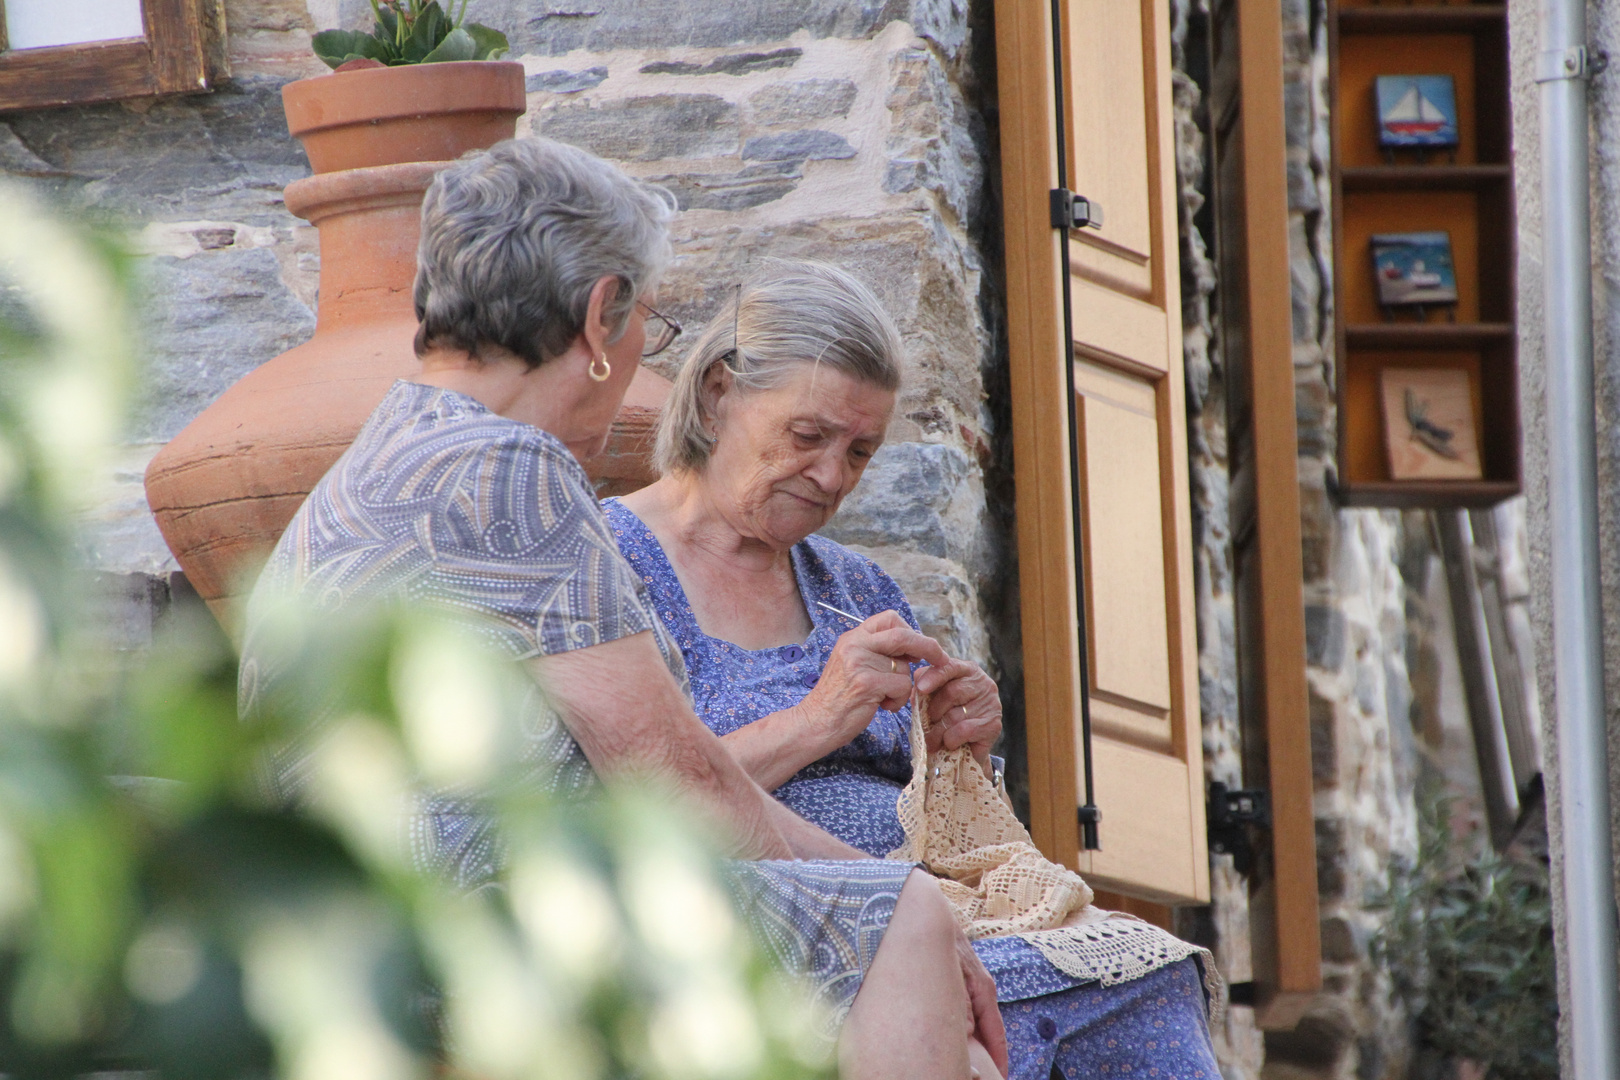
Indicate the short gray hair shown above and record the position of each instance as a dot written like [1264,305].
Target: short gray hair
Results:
[515,237]
[791,314]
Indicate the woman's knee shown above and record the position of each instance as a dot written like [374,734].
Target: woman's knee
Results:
[924,911]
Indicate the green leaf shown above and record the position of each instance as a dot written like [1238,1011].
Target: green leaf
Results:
[457,45]
[492,44]
[336,46]
[428,31]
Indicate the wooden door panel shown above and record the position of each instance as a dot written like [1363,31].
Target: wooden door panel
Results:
[1131,501]
[1150,790]
[1124,534]
[1108,118]
[1117,328]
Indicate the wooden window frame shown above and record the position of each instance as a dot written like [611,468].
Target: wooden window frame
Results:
[182,51]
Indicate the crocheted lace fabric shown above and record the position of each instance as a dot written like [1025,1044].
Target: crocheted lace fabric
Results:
[960,828]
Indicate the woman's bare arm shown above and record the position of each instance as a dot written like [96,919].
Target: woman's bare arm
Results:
[632,721]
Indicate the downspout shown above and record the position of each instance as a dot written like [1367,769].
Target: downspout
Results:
[1562,69]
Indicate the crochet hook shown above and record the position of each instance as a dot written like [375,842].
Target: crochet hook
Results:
[836,611]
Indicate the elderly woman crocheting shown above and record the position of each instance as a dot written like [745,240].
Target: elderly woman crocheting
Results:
[778,410]
[536,277]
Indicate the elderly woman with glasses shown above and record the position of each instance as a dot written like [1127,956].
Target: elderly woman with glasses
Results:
[778,410]
[536,273]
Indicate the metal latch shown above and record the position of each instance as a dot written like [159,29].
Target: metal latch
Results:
[1232,813]
[1071,211]
[1575,63]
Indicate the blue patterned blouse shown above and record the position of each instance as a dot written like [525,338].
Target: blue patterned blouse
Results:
[852,791]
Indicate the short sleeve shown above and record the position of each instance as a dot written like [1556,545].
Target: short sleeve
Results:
[520,547]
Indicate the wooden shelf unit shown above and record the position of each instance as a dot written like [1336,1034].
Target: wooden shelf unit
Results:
[1470,196]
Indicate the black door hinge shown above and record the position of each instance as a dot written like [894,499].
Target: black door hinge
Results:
[1233,814]
[1071,211]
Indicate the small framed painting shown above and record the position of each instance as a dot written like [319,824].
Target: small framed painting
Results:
[1416,112]
[1414,269]
[1429,427]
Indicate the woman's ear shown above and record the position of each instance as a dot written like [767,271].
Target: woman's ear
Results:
[716,383]
[597,331]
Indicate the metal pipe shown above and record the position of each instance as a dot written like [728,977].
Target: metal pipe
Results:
[1588,870]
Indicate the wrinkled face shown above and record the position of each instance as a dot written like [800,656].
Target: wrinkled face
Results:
[786,458]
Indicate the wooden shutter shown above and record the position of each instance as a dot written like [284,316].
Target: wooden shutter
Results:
[1131,444]
[1251,217]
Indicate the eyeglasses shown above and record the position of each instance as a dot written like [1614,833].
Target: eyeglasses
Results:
[667,334]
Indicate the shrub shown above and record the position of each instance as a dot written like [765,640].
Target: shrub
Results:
[1468,943]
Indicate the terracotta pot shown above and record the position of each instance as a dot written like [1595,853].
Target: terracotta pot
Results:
[224,489]
[392,115]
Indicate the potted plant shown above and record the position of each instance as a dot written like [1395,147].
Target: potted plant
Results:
[396,99]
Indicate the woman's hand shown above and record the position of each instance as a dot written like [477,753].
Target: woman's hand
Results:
[869,669]
[964,707]
[984,1015]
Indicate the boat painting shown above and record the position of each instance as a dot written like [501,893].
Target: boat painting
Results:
[1414,269]
[1416,111]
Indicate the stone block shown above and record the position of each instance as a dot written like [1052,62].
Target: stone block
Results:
[563,81]
[805,100]
[909,498]
[646,128]
[556,29]
[17,160]
[812,144]
[729,64]
[212,319]
[1330,858]
[1324,637]
[1340,942]
[918,271]
[943,599]
[748,187]
[936,142]
[223,155]
[1324,740]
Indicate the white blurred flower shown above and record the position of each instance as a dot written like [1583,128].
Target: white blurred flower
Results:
[706,1028]
[568,912]
[359,782]
[163,965]
[307,979]
[448,696]
[71,401]
[503,1020]
[22,626]
[678,908]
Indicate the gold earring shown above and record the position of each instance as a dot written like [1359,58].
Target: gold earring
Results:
[607,369]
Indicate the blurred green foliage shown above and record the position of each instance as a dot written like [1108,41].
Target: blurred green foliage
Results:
[411,32]
[1468,942]
[159,912]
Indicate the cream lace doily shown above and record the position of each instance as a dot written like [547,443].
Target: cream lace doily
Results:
[959,828]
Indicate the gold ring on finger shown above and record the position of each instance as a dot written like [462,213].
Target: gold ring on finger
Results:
[894,668]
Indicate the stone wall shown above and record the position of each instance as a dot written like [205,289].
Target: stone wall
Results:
[820,129]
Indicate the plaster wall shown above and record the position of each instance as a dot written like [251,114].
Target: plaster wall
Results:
[1604,133]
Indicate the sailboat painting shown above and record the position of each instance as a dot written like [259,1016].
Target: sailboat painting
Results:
[1414,269]
[1416,111]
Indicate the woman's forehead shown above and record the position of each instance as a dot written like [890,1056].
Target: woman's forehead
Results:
[836,401]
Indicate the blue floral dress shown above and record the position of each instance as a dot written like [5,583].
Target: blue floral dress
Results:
[1154,1026]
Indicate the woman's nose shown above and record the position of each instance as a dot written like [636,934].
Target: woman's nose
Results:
[827,473]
